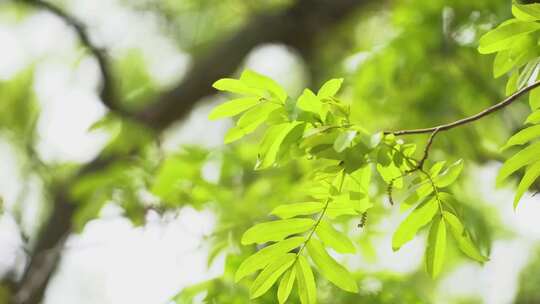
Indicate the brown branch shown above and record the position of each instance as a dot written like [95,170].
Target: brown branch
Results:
[426,149]
[298,27]
[444,127]
[107,92]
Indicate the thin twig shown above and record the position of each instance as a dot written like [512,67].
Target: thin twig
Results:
[507,101]
[426,149]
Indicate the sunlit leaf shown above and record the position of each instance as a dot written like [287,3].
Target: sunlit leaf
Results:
[463,238]
[449,175]
[306,282]
[534,99]
[257,115]
[522,51]
[276,230]
[528,74]
[526,12]
[329,268]
[330,88]
[392,174]
[341,207]
[531,174]
[436,247]
[233,107]
[264,256]
[263,82]
[271,143]
[344,140]
[436,168]
[271,274]
[334,239]
[522,158]
[249,121]
[236,86]
[417,219]
[309,102]
[523,136]
[285,285]
[417,196]
[511,84]
[501,38]
[533,118]
[292,210]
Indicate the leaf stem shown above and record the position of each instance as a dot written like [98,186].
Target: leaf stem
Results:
[435,189]
[321,215]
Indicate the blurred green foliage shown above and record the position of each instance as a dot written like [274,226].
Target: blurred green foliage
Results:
[405,64]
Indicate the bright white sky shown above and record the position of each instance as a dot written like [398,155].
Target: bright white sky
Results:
[112,262]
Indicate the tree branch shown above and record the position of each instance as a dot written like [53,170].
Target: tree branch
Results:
[426,150]
[107,92]
[299,27]
[444,127]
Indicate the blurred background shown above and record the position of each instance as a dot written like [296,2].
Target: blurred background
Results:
[116,188]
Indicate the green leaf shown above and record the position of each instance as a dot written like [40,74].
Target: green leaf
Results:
[528,74]
[263,82]
[388,170]
[526,12]
[522,51]
[270,275]
[257,115]
[449,175]
[264,256]
[334,239]
[236,86]
[292,210]
[436,247]
[531,174]
[417,219]
[463,238]
[534,99]
[511,85]
[501,38]
[339,207]
[276,230]
[233,107]
[330,88]
[329,268]
[344,140]
[249,121]
[306,282]
[437,168]
[357,200]
[309,102]
[359,180]
[166,180]
[234,134]
[523,137]
[418,195]
[271,143]
[522,158]
[502,63]
[448,201]
[533,118]
[286,285]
